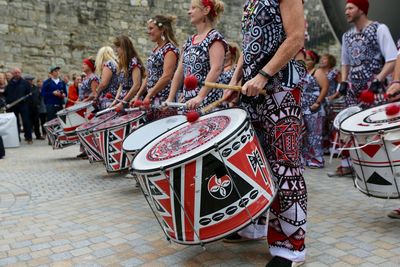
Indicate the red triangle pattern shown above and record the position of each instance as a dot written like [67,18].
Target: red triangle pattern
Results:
[371,150]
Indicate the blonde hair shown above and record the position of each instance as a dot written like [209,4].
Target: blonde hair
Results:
[218,8]
[104,54]
[165,23]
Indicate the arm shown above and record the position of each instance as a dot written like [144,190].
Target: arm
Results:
[93,86]
[170,61]
[106,75]
[176,81]
[217,55]
[323,83]
[386,70]
[388,51]
[292,18]
[394,89]
[142,88]
[137,81]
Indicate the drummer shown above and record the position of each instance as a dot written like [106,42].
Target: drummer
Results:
[130,71]
[87,89]
[162,62]
[277,117]
[107,70]
[394,96]
[203,55]
[374,41]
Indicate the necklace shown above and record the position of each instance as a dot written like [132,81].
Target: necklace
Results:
[247,13]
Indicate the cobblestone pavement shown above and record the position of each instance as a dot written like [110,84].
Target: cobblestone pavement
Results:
[56,210]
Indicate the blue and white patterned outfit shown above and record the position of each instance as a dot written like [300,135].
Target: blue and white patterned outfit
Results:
[155,69]
[366,52]
[314,121]
[196,61]
[226,76]
[85,89]
[112,86]
[126,80]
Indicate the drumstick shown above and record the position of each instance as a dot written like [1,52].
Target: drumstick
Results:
[191,82]
[193,116]
[173,104]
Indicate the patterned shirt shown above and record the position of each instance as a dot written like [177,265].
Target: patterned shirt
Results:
[196,61]
[85,89]
[226,76]
[311,91]
[332,76]
[113,84]
[155,65]
[126,80]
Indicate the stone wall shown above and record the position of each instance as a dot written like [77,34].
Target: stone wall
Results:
[38,33]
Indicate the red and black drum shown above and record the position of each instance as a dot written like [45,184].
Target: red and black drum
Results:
[146,133]
[375,151]
[72,117]
[206,179]
[110,136]
[52,127]
[87,138]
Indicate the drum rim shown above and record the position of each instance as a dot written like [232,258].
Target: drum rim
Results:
[70,110]
[180,162]
[142,126]
[366,131]
[97,129]
[81,129]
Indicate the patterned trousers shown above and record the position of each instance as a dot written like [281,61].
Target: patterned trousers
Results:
[278,126]
[313,151]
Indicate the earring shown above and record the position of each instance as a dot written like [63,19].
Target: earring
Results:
[163,37]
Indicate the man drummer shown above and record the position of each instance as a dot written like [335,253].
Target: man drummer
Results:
[394,96]
[368,55]
[53,92]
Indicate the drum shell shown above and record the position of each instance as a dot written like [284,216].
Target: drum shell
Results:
[88,139]
[110,142]
[51,127]
[211,207]
[72,117]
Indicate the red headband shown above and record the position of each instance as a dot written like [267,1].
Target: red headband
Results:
[90,64]
[209,3]
[313,55]
[361,4]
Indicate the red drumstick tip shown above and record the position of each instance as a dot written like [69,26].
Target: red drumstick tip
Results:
[392,110]
[191,82]
[109,96]
[192,116]
[118,109]
[137,103]
[91,115]
[367,96]
[146,103]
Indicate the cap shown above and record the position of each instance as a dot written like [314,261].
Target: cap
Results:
[53,68]
[29,77]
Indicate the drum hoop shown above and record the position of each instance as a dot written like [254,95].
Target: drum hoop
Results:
[80,129]
[141,126]
[95,129]
[367,131]
[227,139]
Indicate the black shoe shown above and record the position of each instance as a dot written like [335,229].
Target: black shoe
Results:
[40,138]
[277,261]
[82,156]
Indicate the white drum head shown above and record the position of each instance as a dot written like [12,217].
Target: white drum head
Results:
[189,140]
[344,114]
[370,121]
[79,106]
[143,135]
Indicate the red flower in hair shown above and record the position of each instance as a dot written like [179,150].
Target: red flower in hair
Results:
[209,3]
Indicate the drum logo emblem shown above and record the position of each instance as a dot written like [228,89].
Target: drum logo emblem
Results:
[220,187]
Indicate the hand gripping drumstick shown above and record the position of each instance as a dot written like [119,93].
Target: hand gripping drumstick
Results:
[191,82]
[193,116]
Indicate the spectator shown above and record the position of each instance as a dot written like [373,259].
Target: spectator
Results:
[73,91]
[16,89]
[3,84]
[34,105]
[9,76]
[42,108]
[53,92]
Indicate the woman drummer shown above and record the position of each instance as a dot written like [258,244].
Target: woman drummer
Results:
[130,71]
[107,69]
[162,62]
[273,33]
[203,55]
[87,90]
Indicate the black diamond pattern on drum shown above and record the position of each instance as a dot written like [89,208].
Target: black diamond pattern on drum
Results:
[63,118]
[375,178]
